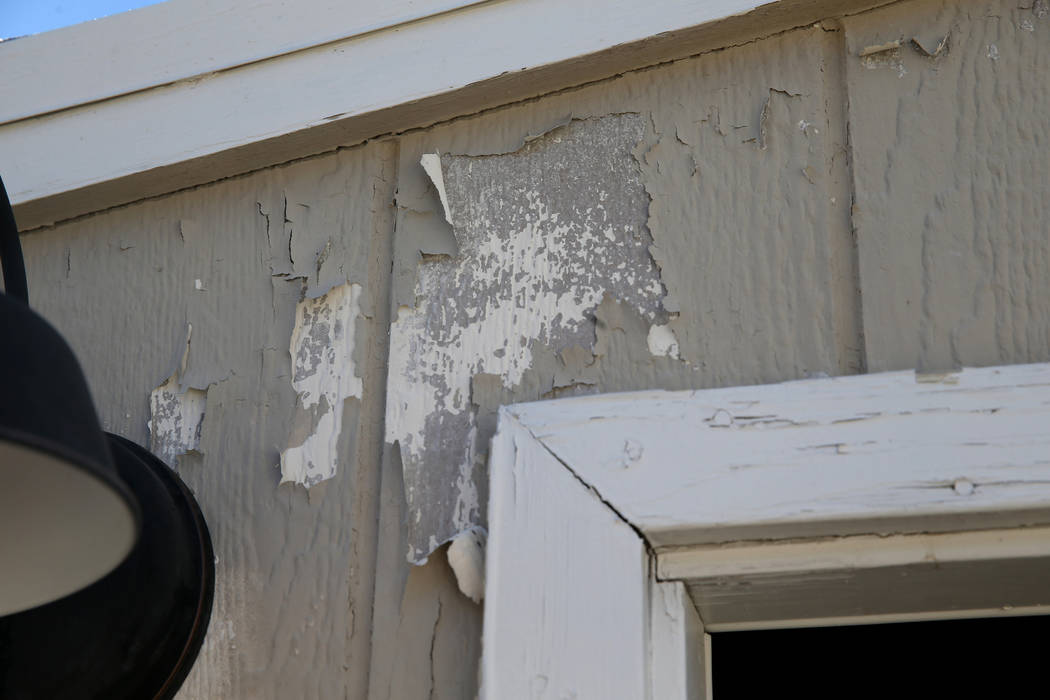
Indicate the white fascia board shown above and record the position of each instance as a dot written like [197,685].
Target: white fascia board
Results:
[92,104]
[873,454]
[179,40]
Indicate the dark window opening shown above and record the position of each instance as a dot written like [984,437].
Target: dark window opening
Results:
[1005,657]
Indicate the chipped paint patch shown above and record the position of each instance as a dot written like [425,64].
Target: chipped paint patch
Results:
[887,55]
[544,234]
[176,420]
[176,413]
[466,556]
[662,341]
[324,376]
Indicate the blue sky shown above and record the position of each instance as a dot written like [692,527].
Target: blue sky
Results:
[20,17]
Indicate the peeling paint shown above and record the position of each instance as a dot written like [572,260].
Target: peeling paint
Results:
[466,556]
[545,233]
[176,414]
[431,163]
[176,420]
[887,55]
[930,46]
[880,48]
[662,341]
[324,376]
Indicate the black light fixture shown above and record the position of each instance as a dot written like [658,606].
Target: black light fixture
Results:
[106,564]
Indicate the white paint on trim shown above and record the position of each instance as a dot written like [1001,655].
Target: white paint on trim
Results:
[179,40]
[677,644]
[567,584]
[878,453]
[851,553]
[545,540]
[206,100]
[759,585]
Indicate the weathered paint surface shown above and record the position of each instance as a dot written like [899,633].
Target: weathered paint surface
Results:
[771,290]
[295,568]
[324,376]
[746,222]
[176,414]
[536,255]
[176,420]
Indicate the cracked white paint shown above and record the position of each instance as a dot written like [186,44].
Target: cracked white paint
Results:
[431,163]
[662,341]
[176,413]
[176,420]
[535,260]
[432,374]
[466,556]
[324,376]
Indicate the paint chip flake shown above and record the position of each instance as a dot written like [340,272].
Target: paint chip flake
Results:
[662,341]
[431,163]
[176,414]
[176,420]
[466,556]
[324,376]
[880,48]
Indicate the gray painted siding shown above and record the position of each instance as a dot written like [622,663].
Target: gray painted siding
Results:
[790,207]
[951,183]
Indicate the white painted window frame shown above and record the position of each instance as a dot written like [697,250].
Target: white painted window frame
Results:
[772,505]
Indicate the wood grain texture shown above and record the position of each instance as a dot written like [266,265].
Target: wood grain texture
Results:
[875,453]
[952,182]
[566,590]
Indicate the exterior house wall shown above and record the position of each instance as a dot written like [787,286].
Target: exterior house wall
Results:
[867,193]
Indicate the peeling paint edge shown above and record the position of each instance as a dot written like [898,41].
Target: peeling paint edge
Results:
[431,163]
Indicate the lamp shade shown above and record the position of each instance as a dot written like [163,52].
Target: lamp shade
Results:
[136,632]
[66,518]
[95,600]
